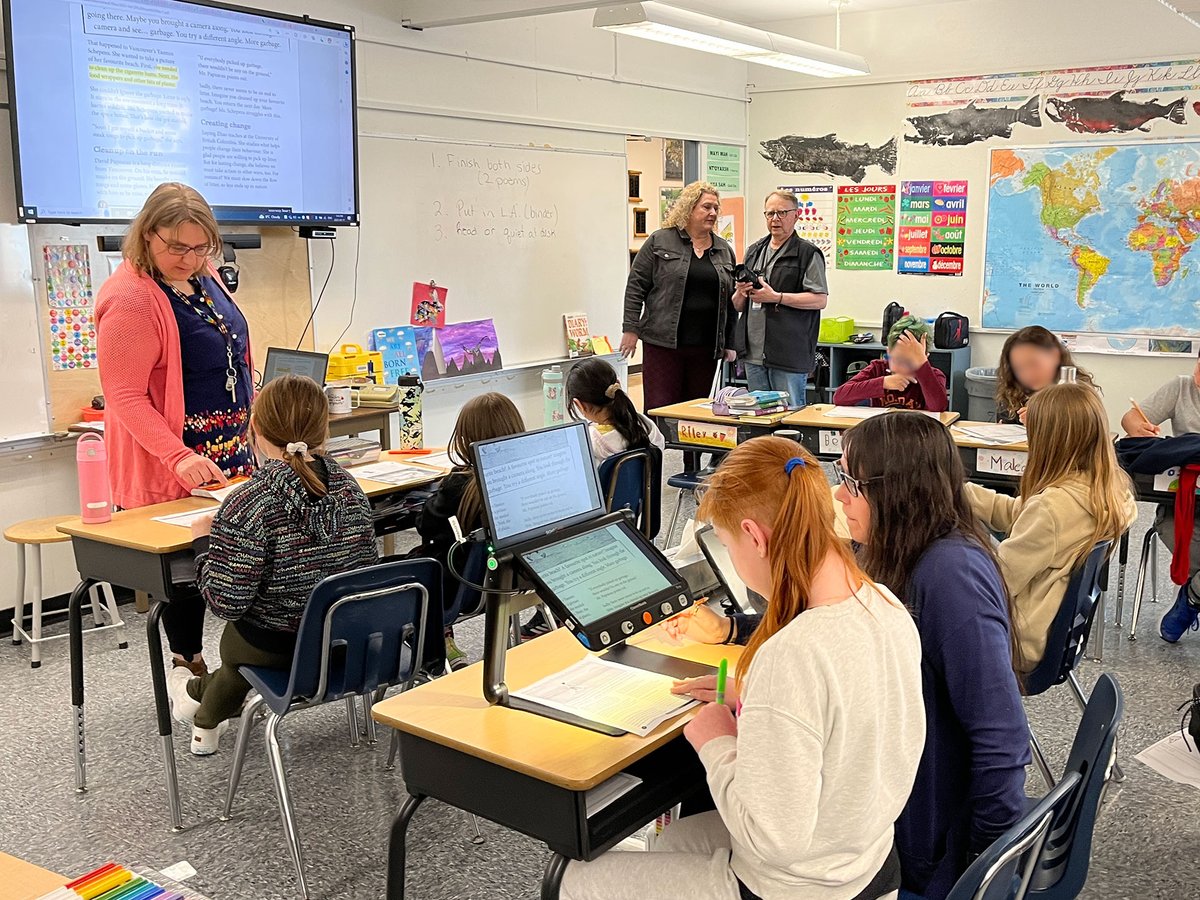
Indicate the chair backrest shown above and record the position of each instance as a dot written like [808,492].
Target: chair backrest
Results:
[1072,624]
[470,566]
[1063,867]
[365,629]
[633,480]
[1004,870]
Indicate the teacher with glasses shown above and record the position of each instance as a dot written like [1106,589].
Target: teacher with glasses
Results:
[776,333]
[174,356]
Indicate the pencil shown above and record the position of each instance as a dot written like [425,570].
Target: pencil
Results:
[1138,410]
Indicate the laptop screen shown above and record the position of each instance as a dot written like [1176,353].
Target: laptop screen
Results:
[281,361]
[535,482]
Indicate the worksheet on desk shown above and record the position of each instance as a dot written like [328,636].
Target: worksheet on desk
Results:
[390,473]
[856,412]
[610,693]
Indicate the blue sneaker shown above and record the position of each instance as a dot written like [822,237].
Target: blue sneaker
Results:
[1180,618]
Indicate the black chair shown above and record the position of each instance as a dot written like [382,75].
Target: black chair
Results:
[1066,642]
[1046,854]
[633,480]
[1005,869]
[1063,867]
[362,631]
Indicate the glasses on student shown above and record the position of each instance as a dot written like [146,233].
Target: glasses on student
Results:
[181,250]
[778,213]
[853,485]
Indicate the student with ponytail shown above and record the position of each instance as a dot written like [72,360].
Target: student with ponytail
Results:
[595,394]
[299,519]
[813,758]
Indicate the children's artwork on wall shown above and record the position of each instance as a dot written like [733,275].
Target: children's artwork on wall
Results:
[666,199]
[672,160]
[828,155]
[428,304]
[466,348]
[971,123]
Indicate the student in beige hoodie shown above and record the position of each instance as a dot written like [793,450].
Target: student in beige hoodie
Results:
[1073,495]
[813,755]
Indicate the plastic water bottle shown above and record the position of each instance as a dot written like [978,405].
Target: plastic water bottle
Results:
[95,495]
[553,405]
[1068,375]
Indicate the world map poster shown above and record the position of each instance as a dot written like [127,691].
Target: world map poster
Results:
[1094,238]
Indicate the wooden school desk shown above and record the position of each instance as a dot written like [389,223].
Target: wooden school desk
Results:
[821,435]
[364,418]
[136,552]
[25,881]
[692,426]
[530,773]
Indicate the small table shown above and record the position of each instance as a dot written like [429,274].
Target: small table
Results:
[136,552]
[531,773]
[692,426]
[364,418]
[821,435]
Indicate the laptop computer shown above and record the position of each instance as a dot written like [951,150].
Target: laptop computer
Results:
[282,361]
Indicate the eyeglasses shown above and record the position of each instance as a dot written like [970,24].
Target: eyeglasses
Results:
[182,250]
[853,485]
[778,213]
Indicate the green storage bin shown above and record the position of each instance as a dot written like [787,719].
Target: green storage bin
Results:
[835,330]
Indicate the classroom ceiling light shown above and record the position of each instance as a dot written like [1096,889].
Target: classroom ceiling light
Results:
[694,31]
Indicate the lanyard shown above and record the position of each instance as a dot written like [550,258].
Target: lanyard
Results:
[208,313]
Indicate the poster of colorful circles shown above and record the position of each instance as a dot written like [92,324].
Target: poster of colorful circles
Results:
[68,275]
[72,338]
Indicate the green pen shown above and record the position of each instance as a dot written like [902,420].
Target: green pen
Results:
[722,674]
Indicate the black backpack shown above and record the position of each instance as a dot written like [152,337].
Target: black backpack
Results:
[892,313]
[951,330]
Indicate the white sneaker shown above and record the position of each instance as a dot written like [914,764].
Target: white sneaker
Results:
[183,707]
[205,741]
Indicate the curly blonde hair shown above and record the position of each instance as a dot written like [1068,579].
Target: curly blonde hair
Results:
[681,212]
[169,205]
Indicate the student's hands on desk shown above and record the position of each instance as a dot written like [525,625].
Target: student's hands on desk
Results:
[202,527]
[699,623]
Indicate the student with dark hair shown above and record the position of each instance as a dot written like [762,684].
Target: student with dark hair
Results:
[1032,358]
[615,425]
[300,519]
[1177,402]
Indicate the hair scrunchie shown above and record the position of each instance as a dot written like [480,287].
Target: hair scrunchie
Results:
[298,448]
[792,463]
[611,390]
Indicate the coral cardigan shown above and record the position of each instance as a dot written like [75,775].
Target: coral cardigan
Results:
[141,375]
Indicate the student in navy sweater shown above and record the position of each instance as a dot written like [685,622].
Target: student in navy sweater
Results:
[901,487]
[904,379]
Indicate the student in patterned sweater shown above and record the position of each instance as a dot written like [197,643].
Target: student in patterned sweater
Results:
[904,379]
[300,519]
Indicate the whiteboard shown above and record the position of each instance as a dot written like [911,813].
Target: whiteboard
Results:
[518,234]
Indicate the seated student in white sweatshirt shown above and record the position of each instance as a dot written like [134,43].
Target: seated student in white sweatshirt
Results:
[595,394]
[812,758]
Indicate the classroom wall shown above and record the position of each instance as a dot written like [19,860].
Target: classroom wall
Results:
[945,40]
[646,156]
[550,80]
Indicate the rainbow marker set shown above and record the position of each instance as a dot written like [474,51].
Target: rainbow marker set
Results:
[114,882]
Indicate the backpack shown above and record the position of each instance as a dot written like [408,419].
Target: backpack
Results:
[951,331]
[892,313]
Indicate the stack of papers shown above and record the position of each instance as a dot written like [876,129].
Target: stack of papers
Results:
[994,434]
[605,794]
[855,412]
[391,473]
[610,693]
[185,519]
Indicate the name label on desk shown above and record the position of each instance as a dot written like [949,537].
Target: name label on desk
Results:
[708,434]
[1001,462]
[829,441]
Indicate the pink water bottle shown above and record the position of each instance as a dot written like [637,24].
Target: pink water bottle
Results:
[95,496]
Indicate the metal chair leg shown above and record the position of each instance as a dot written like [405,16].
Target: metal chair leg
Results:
[97,615]
[1096,638]
[275,758]
[392,750]
[1039,759]
[478,839]
[674,520]
[368,721]
[245,726]
[1139,588]
[1153,570]
[1123,563]
[352,720]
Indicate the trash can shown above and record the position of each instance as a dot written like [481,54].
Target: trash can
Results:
[981,394]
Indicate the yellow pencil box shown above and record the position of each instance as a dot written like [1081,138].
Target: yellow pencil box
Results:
[353,361]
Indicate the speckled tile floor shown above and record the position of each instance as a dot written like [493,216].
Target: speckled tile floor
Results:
[1145,845]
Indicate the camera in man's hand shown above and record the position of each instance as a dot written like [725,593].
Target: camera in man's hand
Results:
[745,275]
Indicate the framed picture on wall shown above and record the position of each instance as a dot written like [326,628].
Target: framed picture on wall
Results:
[635,186]
[672,160]
[639,221]
[666,199]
